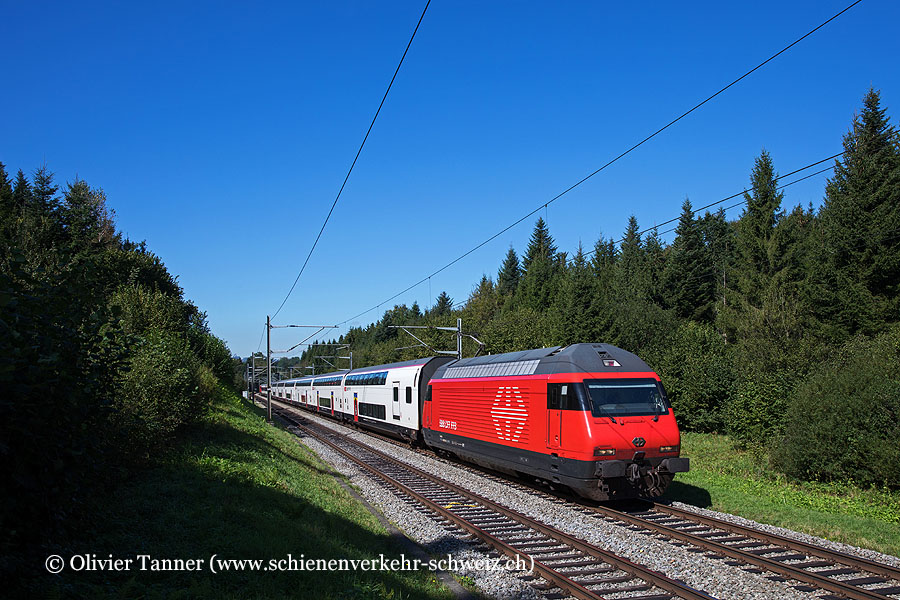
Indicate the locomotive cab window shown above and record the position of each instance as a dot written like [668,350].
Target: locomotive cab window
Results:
[565,396]
[626,397]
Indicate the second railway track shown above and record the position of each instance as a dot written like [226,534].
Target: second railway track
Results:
[815,567]
[829,574]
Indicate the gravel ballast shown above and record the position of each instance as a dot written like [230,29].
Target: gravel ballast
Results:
[698,570]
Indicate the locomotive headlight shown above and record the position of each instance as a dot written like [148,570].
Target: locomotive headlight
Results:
[668,448]
[604,451]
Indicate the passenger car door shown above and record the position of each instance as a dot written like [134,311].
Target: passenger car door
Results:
[396,401]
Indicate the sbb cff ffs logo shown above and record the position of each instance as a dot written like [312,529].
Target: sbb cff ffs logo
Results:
[639,442]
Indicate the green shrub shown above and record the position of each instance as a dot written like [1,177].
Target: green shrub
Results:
[698,376]
[142,309]
[215,355]
[844,421]
[755,414]
[162,390]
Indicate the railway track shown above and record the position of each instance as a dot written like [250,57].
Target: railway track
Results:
[813,567]
[830,574]
[576,568]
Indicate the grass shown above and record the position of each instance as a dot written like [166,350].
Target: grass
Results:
[241,489]
[740,482]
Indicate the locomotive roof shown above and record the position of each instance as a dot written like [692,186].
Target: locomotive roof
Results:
[576,358]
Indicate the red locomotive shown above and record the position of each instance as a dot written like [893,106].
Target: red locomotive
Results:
[589,417]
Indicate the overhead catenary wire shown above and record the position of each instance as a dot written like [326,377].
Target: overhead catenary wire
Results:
[353,164]
[587,255]
[643,231]
[727,198]
[261,336]
[608,163]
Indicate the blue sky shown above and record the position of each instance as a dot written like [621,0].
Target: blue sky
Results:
[221,131]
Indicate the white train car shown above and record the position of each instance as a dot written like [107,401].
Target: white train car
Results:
[301,391]
[292,391]
[326,391]
[388,398]
[385,398]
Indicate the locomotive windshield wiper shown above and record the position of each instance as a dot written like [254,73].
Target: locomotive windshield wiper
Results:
[605,414]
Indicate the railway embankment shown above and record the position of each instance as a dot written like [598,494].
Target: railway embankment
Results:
[726,478]
[234,489]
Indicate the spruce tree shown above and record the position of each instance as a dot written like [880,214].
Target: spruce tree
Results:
[632,249]
[443,306]
[86,218]
[751,275]
[43,191]
[860,221]
[6,194]
[655,257]
[482,305]
[604,256]
[7,211]
[509,275]
[718,236]
[689,274]
[21,193]
[538,286]
[576,300]
[756,227]
[603,269]
[540,245]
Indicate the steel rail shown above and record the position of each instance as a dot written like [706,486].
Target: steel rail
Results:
[836,556]
[809,577]
[558,579]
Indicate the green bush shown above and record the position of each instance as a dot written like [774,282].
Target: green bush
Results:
[755,414]
[215,355]
[698,376]
[142,309]
[843,422]
[162,390]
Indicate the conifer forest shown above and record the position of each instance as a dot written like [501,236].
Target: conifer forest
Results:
[780,328]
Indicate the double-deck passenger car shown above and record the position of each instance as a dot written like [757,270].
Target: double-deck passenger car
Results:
[589,417]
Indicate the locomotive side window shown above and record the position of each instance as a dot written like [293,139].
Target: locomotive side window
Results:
[626,397]
[564,396]
[428,394]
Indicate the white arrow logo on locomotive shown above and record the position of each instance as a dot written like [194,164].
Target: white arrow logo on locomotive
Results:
[509,413]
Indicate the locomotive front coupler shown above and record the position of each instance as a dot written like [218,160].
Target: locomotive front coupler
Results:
[637,468]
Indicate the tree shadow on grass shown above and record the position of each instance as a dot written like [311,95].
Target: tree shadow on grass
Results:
[241,446]
[688,494]
[189,510]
